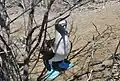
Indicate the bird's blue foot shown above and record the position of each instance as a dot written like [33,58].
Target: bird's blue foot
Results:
[57,67]
[65,64]
[61,65]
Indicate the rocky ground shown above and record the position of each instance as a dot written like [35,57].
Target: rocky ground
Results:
[97,24]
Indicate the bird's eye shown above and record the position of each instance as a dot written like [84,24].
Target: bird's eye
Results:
[62,25]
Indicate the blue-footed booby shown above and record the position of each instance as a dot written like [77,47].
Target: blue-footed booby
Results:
[61,47]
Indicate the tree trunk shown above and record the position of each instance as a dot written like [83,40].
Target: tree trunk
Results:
[28,42]
[4,74]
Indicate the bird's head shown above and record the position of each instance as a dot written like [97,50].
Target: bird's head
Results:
[61,26]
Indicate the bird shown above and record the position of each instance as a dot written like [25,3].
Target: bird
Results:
[56,57]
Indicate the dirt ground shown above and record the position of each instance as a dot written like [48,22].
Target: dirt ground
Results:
[104,16]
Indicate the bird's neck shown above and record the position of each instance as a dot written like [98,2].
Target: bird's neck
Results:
[59,39]
[59,36]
